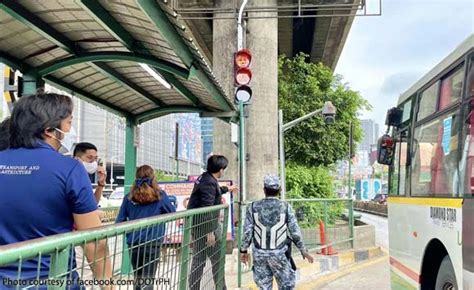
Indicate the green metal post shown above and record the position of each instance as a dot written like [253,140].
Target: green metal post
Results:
[183,271]
[126,267]
[242,187]
[326,226]
[130,167]
[349,185]
[351,221]
[223,250]
[58,268]
[130,155]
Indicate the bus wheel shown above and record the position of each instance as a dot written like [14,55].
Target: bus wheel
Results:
[446,279]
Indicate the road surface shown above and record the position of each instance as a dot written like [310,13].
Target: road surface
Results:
[381,228]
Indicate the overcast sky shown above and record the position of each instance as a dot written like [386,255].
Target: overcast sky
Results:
[384,55]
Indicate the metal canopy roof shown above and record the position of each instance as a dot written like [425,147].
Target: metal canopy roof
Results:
[94,49]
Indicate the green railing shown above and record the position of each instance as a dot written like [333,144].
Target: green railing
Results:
[165,252]
[334,215]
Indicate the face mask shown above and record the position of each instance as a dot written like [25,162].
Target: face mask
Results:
[68,141]
[91,168]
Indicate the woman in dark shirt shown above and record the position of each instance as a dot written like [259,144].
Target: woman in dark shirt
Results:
[145,200]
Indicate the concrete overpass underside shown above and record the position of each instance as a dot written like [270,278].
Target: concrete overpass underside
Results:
[316,28]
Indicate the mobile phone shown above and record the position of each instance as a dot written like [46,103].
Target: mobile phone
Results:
[100,162]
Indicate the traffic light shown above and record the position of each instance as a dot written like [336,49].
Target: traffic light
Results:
[386,150]
[242,75]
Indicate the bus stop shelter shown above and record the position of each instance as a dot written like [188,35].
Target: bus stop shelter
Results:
[136,59]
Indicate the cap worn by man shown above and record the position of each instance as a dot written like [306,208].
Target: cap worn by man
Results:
[271,182]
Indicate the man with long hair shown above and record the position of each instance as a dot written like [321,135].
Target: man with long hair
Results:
[42,192]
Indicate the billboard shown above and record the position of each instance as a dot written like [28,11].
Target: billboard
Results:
[180,191]
[190,143]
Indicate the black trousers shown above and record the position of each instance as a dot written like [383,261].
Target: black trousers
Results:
[201,251]
[145,259]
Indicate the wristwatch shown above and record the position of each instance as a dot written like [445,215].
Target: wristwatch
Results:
[100,184]
[242,251]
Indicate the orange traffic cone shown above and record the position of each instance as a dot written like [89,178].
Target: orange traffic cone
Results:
[322,238]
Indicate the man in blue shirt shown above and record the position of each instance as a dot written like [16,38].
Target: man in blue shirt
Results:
[44,193]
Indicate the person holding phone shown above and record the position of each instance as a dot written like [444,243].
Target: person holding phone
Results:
[86,153]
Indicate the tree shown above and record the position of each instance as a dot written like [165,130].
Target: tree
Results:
[313,182]
[304,87]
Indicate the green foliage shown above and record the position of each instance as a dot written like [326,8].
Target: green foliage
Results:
[309,182]
[303,88]
[313,182]
[161,177]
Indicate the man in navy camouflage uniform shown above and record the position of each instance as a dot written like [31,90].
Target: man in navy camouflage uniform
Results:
[269,224]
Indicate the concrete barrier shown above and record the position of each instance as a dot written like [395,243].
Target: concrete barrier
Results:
[371,207]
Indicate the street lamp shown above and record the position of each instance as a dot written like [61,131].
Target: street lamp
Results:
[328,112]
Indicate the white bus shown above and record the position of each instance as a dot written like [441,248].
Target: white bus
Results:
[431,189]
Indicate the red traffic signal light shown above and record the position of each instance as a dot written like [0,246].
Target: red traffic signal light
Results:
[243,58]
[242,75]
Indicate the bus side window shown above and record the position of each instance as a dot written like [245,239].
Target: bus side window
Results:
[451,89]
[428,100]
[435,157]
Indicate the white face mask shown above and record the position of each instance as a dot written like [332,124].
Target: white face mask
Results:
[91,168]
[68,141]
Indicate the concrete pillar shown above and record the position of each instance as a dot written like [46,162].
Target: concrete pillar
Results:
[262,124]
[224,45]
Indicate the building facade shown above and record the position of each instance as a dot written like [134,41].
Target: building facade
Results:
[207,129]
[371,134]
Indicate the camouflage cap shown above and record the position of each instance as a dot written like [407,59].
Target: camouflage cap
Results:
[271,181]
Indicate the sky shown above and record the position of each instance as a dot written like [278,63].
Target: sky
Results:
[384,55]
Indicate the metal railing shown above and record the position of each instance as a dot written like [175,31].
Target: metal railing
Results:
[325,222]
[163,252]
[327,225]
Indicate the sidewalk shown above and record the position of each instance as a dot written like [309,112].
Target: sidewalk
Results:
[306,272]
[373,274]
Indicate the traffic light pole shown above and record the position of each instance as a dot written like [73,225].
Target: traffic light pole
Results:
[242,154]
[240,32]
[243,194]
[282,154]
